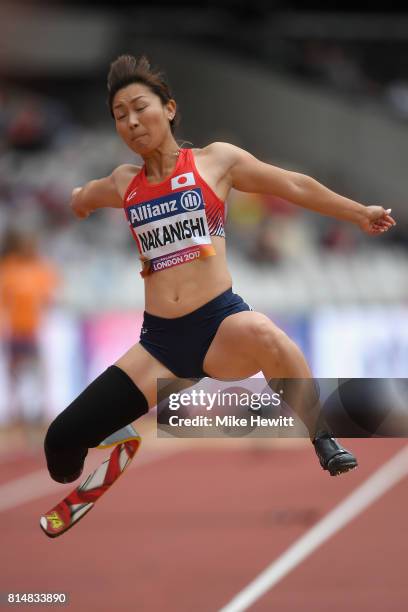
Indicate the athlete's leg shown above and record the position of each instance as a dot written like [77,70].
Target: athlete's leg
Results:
[121,394]
[247,342]
[141,370]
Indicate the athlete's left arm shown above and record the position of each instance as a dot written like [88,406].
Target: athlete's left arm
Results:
[247,173]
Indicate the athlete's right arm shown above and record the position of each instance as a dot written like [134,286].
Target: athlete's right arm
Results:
[100,193]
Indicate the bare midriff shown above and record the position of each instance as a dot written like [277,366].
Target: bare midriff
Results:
[179,290]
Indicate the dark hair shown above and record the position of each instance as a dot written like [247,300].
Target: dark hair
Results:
[127,69]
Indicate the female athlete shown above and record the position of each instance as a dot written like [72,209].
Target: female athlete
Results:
[194,325]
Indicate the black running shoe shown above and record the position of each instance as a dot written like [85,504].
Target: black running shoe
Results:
[332,456]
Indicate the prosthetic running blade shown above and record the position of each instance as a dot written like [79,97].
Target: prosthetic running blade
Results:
[82,499]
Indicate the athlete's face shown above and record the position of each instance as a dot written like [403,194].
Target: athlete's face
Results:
[142,120]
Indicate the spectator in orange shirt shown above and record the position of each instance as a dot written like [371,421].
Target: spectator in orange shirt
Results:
[27,285]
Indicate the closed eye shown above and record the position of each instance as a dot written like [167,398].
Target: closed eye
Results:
[138,110]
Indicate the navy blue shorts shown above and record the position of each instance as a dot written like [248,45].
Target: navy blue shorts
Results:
[181,343]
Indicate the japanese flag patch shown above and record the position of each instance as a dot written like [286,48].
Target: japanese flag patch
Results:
[182,180]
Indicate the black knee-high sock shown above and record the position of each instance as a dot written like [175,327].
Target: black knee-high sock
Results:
[110,402]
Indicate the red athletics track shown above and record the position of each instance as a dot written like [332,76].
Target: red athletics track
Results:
[187,530]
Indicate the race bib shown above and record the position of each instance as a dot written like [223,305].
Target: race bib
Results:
[172,229]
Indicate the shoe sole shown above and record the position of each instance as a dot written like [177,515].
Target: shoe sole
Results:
[336,466]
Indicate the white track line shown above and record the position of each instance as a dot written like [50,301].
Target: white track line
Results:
[39,484]
[373,488]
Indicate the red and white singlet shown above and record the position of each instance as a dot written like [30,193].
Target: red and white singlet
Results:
[172,221]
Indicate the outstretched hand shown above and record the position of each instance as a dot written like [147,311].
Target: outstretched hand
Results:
[377,220]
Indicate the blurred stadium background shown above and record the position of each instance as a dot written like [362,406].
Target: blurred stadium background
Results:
[313,90]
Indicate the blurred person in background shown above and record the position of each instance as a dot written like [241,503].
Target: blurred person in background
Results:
[245,215]
[194,325]
[31,123]
[27,288]
[281,232]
